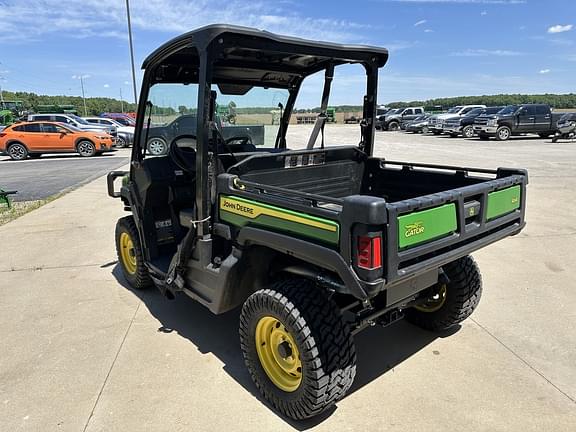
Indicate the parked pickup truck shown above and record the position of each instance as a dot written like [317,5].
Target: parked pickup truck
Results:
[516,120]
[455,126]
[436,122]
[313,245]
[395,121]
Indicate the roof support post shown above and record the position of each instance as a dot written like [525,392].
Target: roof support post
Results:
[203,141]
[369,111]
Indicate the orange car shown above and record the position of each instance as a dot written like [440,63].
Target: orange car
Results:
[35,138]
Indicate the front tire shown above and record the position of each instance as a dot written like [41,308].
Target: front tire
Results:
[394,126]
[86,148]
[17,151]
[297,347]
[129,251]
[468,132]
[157,147]
[450,303]
[121,142]
[503,133]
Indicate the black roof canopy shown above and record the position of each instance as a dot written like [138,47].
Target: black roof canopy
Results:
[253,57]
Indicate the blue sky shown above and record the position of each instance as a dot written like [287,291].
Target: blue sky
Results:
[438,47]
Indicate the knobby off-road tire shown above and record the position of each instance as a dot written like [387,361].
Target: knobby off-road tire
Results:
[456,300]
[130,255]
[322,341]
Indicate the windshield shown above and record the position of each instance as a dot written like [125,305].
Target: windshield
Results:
[454,110]
[172,111]
[568,117]
[475,111]
[78,119]
[510,109]
[72,128]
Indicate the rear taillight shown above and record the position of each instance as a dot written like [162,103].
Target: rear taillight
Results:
[369,253]
[2,135]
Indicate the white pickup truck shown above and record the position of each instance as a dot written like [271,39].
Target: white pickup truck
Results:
[436,122]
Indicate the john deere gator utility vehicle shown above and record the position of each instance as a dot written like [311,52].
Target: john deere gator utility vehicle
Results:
[313,245]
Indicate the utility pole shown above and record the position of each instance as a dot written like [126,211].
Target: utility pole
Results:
[121,100]
[83,95]
[131,51]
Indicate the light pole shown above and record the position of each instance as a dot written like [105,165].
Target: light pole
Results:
[131,51]
[83,95]
[121,100]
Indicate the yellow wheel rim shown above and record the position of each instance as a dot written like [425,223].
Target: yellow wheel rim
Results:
[127,253]
[435,302]
[278,354]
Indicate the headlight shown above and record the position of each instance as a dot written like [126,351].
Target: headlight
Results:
[491,122]
[102,137]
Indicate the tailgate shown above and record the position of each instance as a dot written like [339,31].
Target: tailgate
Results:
[426,232]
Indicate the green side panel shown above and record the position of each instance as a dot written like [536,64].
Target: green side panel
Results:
[426,225]
[279,219]
[503,202]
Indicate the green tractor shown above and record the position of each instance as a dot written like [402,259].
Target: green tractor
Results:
[10,111]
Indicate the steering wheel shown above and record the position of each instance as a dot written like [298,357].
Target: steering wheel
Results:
[239,140]
[184,157]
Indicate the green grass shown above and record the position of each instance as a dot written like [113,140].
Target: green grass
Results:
[21,208]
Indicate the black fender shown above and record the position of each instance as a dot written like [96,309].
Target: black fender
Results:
[314,254]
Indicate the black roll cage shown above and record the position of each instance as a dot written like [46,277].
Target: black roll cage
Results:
[232,55]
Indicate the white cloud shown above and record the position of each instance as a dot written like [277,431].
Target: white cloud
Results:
[107,18]
[486,53]
[85,76]
[106,85]
[126,82]
[428,31]
[544,71]
[483,13]
[419,23]
[560,28]
[503,2]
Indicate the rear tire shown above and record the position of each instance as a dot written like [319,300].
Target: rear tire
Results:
[313,326]
[17,151]
[425,129]
[129,251]
[451,303]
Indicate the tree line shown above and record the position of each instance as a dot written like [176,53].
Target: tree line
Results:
[97,105]
[94,105]
[559,101]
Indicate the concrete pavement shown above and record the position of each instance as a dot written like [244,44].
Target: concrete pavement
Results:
[36,179]
[82,352]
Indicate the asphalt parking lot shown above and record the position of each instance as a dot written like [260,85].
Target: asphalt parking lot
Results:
[82,352]
[36,179]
